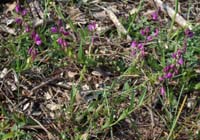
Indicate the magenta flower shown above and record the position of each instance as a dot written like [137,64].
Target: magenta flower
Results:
[149,38]
[24,12]
[60,41]
[17,8]
[189,33]
[32,52]
[166,69]
[27,28]
[145,31]
[64,44]
[37,40]
[168,75]
[154,15]
[133,44]
[60,22]
[174,55]
[142,32]
[63,31]
[162,91]
[54,29]
[92,26]
[18,20]
[140,46]
[180,61]
[156,32]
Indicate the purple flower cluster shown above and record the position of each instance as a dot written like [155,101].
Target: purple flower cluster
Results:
[32,52]
[139,46]
[36,38]
[172,69]
[92,26]
[20,10]
[59,29]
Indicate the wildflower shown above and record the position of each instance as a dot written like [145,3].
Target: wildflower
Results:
[166,69]
[92,26]
[180,61]
[174,55]
[156,32]
[60,41]
[24,12]
[32,52]
[149,38]
[27,28]
[59,23]
[17,8]
[168,75]
[162,91]
[37,40]
[154,15]
[62,30]
[142,32]
[18,20]
[189,33]
[133,44]
[64,44]
[145,31]
[54,29]
[140,46]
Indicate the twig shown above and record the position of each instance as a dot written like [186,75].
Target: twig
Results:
[178,18]
[50,136]
[114,19]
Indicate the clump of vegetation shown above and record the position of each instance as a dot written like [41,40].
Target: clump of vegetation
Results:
[61,80]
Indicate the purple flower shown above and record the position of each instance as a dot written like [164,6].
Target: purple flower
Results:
[156,32]
[180,61]
[166,69]
[32,52]
[174,55]
[168,75]
[60,22]
[62,30]
[60,41]
[145,31]
[64,44]
[171,66]
[24,12]
[140,46]
[92,26]
[17,8]
[160,78]
[189,33]
[37,40]
[133,44]
[142,32]
[54,29]
[149,38]
[154,15]
[18,20]
[65,33]
[27,28]
[162,91]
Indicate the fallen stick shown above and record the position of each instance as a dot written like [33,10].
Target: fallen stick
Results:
[114,19]
[178,18]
